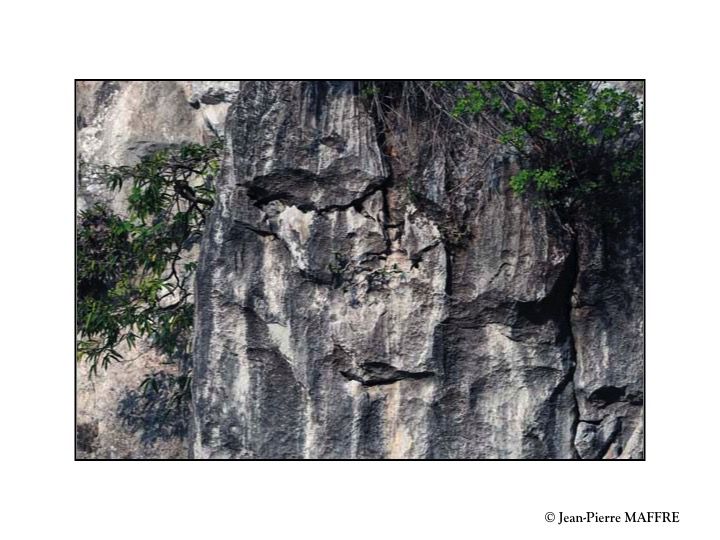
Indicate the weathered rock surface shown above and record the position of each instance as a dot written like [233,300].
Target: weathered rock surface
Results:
[377,293]
[117,124]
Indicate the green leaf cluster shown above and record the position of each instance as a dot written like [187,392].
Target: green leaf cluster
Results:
[579,143]
[134,272]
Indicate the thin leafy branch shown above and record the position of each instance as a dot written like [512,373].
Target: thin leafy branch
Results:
[135,272]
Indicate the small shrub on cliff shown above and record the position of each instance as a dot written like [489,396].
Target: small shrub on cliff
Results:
[134,272]
[578,143]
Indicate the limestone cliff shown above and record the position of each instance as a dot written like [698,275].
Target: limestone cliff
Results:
[370,288]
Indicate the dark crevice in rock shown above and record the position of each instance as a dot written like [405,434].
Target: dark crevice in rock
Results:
[607,395]
[575,270]
[416,258]
[261,196]
[382,143]
[386,219]
[557,306]
[555,397]
[319,278]
[334,141]
[380,373]
[263,233]
[355,203]
[617,428]
[260,232]
[448,272]
[500,269]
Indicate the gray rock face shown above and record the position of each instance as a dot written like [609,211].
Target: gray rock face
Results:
[607,320]
[376,293]
[118,122]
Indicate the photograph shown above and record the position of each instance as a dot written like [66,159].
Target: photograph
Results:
[370,269]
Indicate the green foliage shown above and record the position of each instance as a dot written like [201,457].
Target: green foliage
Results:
[543,180]
[579,143]
[368,90]
[412,194]
[133,272]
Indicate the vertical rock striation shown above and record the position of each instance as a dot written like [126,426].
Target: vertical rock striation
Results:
[372,291]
